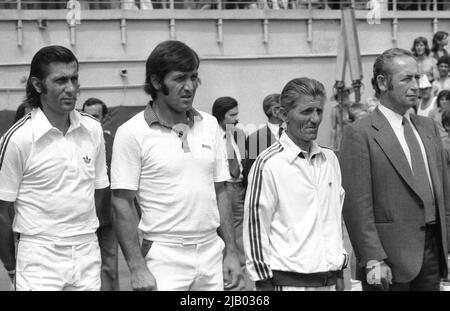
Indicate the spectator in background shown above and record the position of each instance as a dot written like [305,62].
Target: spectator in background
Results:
[105,232]
[427,101]
[339,117]
[427,64]
[225,110]
[442,103]
[438,45]
[443,82]
[445,122]
[263,138]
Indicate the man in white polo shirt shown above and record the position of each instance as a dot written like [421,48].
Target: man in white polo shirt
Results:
[171,158]
[51,162]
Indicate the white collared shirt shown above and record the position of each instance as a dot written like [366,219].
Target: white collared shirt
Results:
[292,214]
[395,120]
[174,187]
[236,152]
[51,177]
[275,129]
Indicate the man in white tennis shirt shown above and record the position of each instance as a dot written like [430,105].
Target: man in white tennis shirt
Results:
[171,158]
[51,162]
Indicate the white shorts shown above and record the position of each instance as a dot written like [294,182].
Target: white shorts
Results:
[194,266]
[48,265]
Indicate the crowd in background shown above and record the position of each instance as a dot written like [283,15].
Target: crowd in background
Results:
[434,84]
[225,4]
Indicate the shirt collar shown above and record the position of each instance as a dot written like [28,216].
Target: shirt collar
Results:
[274,128]
[293,151]
[394,119]
[41,125]
[151,117]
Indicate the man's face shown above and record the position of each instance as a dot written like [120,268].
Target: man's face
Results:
[95,110]
[443,69]
[303,120]
[231,118]
[58,90]
[180,88]
[425,93]
[402,92]
[420,48]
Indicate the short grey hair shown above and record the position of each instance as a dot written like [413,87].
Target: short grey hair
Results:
[269,101]
[300,87]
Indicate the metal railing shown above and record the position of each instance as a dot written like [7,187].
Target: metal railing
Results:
[391,5]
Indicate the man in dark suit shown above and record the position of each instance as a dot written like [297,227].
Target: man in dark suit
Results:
[263,138]
[397,189]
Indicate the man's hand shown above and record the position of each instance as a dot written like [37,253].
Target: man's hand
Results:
[231,270]
[340,285]
[378,274]
[142,280]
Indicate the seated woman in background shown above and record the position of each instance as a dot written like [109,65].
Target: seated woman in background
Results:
[427,64]
[442,103]
[443,81]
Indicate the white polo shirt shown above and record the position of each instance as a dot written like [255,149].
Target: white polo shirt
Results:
[173,176]
[50,177]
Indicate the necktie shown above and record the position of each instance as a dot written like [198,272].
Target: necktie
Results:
[233,163]
[419,171]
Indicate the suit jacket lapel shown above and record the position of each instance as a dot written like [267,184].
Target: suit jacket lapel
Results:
[387,140]
[430,150]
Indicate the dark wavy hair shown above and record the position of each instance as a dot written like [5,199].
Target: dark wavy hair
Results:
[443,93]
[39,69]
[221,106]
[94,101]
[166,57]
[420,40]
[438,36]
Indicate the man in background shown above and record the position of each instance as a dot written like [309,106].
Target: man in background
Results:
[226,111]
[106,235]
[263,138]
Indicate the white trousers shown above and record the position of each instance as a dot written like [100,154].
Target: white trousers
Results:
[46,265]
[194,266]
